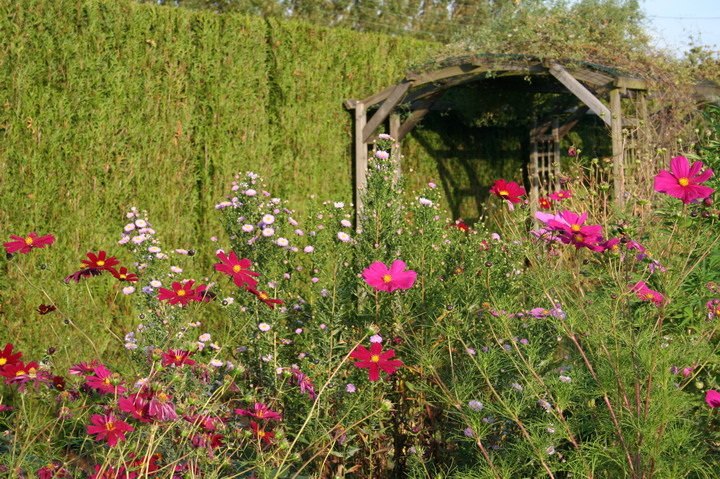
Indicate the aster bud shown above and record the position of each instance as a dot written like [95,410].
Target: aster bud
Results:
[51,350]
[488,264]
[706,214]
[708,201]
[191,252]
[694,213]
[43,266]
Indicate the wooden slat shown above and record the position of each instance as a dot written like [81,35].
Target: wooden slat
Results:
[577,89]
[382,113]
[632,83]
[572,121]
[448,72]
[617,147]
[422,109]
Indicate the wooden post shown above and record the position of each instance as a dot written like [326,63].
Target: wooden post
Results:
[361,156]
[617,147]
[394,130]
[534,170]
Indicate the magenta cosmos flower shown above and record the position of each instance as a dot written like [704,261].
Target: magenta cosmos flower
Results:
[260,411]
[712,398]
[387,279]
[23,245]
[376,360]
[507,190]
[683,180]
[109,427]
[642,291]
[182,293]
[239,270]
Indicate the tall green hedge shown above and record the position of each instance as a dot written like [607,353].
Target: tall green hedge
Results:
[110,104]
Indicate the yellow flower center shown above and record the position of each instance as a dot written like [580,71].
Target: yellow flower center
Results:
[560,195]
[181,292]
[109,426]
[123,276]
[261,433]
[19,373]
[3,361]
[649,296]
[162,397]
[29,240]
[683,181]
[32,372]
[579,238]
[504,193]
[264,296]
[106,380]
[387,278]
[101,263]
[375,358]
[178,357]
[260,413]
[237,268]
[575,228]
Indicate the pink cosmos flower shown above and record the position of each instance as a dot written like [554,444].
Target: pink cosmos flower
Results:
[712,397]
[23,245]
[109,427]
[21,374]
[110,473]
[376,360]
[510,191]
[105,382]
[177,357]
[683,180]
[260,411]
[573,230]
[387,279]
[136,406]
[182,293]
[238,270]
[642,291]
[561,195]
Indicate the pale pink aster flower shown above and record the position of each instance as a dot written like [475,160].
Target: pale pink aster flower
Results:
[425,202]
[217,363]
[376,338]
[124,240]
[248,228]
[154,249]
[432,185]
[382,155]
[141,223]
[264,327]
[344,237]
[309,249]
[267,232]
[138,239]
[268,219]
[128,290]
[204,337]
[345,223]
[155,283]
[250,192]
[282,242]
[129,227]
[176,269]
[338,204]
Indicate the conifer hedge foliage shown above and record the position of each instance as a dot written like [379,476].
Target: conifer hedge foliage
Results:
[110,104]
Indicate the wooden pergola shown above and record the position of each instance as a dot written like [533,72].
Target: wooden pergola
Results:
[601,90]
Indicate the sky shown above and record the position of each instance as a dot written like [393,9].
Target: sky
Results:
[673,22]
